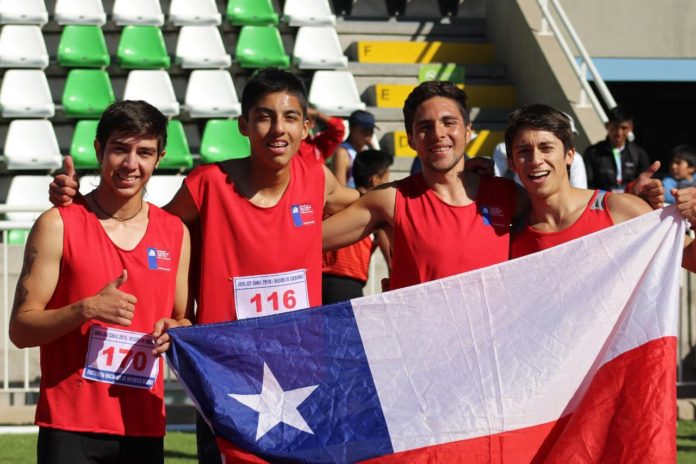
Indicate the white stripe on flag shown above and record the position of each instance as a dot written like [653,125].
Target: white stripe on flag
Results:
[513,345]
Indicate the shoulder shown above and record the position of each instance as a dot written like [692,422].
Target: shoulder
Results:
[624,206]
[204,172]
[595,148]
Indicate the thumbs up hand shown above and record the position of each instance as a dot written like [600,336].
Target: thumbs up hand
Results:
[65,186]
[111,304]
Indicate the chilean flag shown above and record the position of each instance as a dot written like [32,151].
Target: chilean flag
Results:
[567,355]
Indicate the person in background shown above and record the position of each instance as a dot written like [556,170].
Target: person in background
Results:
[345,271]
[322,145]
[616,161]
[361,128]
[682,167]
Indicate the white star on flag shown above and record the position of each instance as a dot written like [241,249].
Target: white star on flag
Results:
[276,405]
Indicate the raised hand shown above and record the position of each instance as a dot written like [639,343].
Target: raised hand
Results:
[651,190]
[111,304]
[65,186]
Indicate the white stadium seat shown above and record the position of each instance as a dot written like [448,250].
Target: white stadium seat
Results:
[211,94]
[31,144]
[155,87]
[28,191]
[87,12]
[198,12]
[308,13]
[22,47]
[318,48]
[88,183]
[137,13]
[335,93]
[201,47]
[25,94]
[161,189]
[23,12]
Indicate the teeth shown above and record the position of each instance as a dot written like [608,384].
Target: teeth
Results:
[278,144]
[537,175]
[439,149]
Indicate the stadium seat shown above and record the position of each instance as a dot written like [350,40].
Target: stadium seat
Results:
[222,140]
[155,87]
[137,13]
[22,47]
[82,147]
[23,12]
[211,94]
[318,48]
[161,189]
[142,47]
[335,93]
[387,51]
[251,13]
[31,144]
[201,47]
[26,191]
[178,153]
[87,93]
[198,13]
[308,13]
[25,94]
[261,46]
[83,47]
[87,12]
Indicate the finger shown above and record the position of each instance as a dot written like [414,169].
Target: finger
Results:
[59,199]
[652,169]
[69,167]
[158,328]
[120,280]
[161,349]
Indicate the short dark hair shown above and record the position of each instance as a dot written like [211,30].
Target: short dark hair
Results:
[539,117]
[686,153]
[429,89]
[619,115]
[368,163]
[271,80]
[133,117]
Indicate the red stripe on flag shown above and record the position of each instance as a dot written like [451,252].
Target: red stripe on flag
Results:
[628,414]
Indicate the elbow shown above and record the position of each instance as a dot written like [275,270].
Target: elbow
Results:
[19,338]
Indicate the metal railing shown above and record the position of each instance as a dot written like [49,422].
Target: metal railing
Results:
[549,26]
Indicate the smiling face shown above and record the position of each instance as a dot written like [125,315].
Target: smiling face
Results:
[439,134]
[539,159]
[127,163]
[618,132]
[275,125]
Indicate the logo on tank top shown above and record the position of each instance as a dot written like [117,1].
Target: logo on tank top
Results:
[160,260]
[302,215]
[493,216]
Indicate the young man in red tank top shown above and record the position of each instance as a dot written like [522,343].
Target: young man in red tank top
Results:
[445,220]
[539,142]
[101,282]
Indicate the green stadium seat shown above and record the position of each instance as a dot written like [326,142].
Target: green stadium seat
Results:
[251,12]
[17,236]
[178,153]
[260,46]
[222,140]
[142,47]
[82,146]
[83,47]
[87,93]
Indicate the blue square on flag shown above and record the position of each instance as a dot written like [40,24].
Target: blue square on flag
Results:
[319,353]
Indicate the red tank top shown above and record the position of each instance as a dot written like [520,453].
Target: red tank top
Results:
[433,239]
[257,261]
[68,401]
[595,217]
[352,261]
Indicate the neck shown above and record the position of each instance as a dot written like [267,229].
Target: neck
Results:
[556,210]
[113,207]
[452,186]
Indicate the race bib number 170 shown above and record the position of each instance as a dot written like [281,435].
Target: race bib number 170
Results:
[121,357]
[262,295]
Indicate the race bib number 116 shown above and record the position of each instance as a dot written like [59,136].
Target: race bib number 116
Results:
[262,295]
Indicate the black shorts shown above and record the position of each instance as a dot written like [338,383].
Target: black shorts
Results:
[61,446]
[208,451]
[338,288]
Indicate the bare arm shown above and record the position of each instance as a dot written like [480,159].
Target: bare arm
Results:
[183,206]
[372,211]
[182,314]
[341,162]
[384,246]
[685,200]
[623,207]
[30,323]
[336,196]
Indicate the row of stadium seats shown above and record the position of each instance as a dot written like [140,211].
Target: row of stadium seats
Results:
[143,47]
[181,12]
[32,145]
[209,93]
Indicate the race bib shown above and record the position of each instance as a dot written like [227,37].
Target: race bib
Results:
[262,295]
[121,357]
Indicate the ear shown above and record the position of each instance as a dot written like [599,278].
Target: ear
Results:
[467,134]
[98,150]
[305,128]
[409,139]
[243,126]
[569,157]
[159,158]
